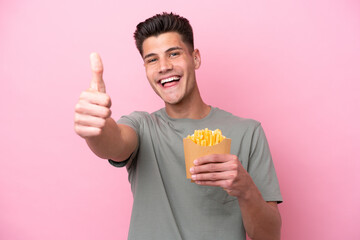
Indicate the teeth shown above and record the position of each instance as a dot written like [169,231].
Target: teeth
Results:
[169,80]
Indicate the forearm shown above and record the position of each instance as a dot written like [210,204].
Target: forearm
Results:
[262,220]
[112,142]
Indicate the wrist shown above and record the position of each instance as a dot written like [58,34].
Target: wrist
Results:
[250,195]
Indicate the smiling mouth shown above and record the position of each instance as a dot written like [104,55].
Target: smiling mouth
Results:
[169,80]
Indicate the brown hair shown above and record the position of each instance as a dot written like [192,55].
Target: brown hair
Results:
[163,23]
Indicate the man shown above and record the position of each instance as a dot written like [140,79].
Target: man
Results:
[231,193]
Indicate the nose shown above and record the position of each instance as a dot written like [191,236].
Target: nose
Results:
[165,65]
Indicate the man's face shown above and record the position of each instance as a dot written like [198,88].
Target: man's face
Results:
[170,66]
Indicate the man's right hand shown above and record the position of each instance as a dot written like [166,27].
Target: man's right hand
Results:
[93,107]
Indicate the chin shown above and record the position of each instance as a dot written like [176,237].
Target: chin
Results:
[172,101]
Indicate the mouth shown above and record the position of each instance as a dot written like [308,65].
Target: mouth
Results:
[170,81]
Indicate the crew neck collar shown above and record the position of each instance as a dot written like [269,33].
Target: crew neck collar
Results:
[165,115]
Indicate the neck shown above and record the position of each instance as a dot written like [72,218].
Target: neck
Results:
[192,107]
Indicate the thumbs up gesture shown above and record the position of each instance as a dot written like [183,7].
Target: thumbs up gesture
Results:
[93,107]
[97,82]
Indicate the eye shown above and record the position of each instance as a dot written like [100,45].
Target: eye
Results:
[174,54]
[151,60]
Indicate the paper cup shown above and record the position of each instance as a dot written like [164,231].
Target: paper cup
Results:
[193,151]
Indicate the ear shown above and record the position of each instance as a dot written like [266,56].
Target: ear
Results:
[197,58]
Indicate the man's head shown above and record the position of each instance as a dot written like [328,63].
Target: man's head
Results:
[163,23]
[165,42]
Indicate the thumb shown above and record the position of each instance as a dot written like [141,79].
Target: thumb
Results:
[97,82]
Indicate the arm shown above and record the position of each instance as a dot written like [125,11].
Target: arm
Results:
[261,219]
[93,122]
[116,141]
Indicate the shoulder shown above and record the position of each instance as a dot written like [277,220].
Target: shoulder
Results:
[138,114]
[229,118]
[142,117]
[135,119]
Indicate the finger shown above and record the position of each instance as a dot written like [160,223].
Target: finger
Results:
[214,167]
[101,99]
[86,108]
[86,120]
[215,158]
[214,176]
[219,183]
[86,131]
[97,82]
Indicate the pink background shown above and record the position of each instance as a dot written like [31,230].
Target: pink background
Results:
[293,65]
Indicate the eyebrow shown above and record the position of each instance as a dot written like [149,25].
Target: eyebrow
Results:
[168,50]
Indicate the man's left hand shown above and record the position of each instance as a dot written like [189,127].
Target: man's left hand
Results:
[222,170]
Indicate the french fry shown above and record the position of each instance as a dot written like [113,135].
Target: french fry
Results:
[206,137]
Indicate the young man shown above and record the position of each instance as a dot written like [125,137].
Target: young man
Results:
[232,193]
